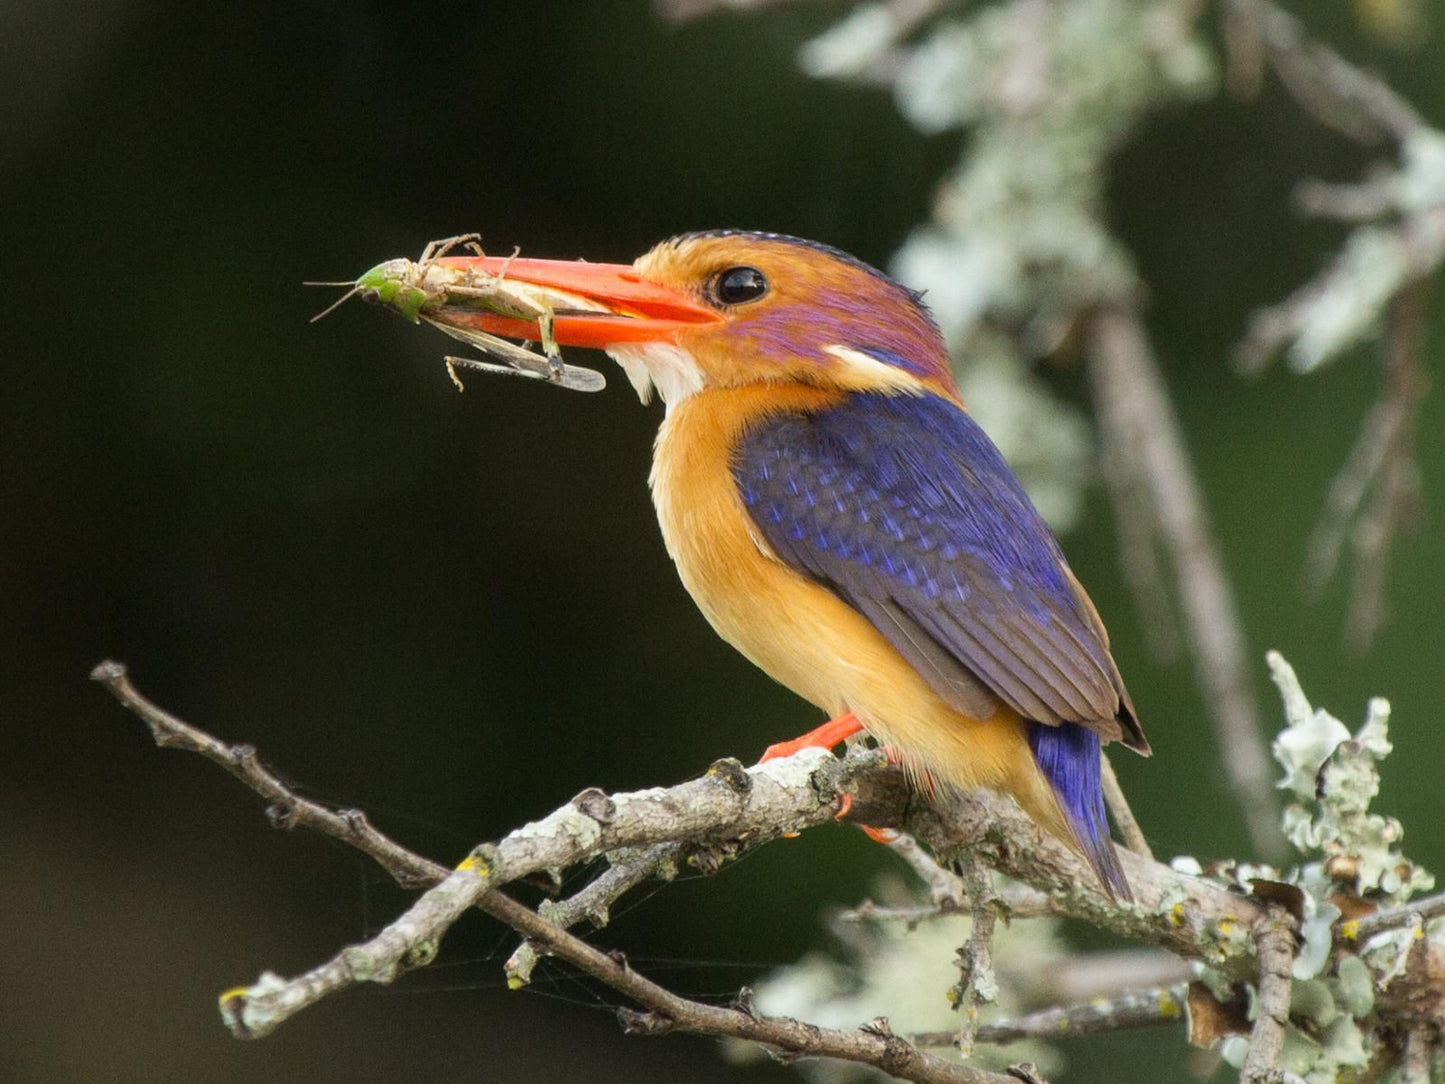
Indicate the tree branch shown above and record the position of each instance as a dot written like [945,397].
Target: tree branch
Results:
[1415,1058]
[728,809]
[1136,1009]
[1417,911]
[1119,808]
[977,985]
[1016,900]
[1335,92]
[1134,410]
[1383,267]
[1274,943]
[872,1044]
[593,903]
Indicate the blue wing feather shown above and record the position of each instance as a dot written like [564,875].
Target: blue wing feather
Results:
[904,508]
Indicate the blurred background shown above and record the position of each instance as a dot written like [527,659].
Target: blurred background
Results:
[454,611]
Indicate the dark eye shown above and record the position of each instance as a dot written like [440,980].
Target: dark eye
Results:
[739,284]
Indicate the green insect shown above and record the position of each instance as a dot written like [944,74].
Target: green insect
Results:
[448,297]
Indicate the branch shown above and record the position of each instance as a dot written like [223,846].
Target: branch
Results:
[1138,557]
[1139,422]
[1385,470]
[1421,911]
[1384,265]
[687,10]
[872,1044]
[945,888]
[1274,943]
[1016,901]
[977,985]
[412,940]
[728,809]
[1189,916]
[1333,310]
[1330,88]
[594,903]
[1137,1009]
[728,805]
[1415,1058]
[1119,809]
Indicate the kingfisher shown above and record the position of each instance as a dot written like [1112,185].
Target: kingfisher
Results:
[841,520]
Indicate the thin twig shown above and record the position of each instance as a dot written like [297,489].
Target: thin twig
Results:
[1016,901]
[1337,93]
[1124,817]
[1109,974]
[1136,1009]
[1138,556]
[1397,491]
[593,903]
[872,1044]
[685,10]
[1274,945]
[1243,49]
[945,888]
[1134,406]
[1415,1057]
[977,985]
[288,809]
[1362,929]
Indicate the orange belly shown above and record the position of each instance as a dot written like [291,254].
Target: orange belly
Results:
[799,631]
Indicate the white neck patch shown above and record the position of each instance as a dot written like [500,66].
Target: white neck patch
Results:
[664,366]
[871,371]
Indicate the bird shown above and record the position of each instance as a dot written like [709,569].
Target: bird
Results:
[841,519]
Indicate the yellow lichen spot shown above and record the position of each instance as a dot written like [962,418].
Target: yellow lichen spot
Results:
[1176,915]
[1419,932]
[1169,1006]
[1350,930]
[1226,925]
[515,981]
[233,993]
[473,864]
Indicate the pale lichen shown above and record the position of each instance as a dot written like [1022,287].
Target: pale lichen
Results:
[888,969]
[1351,857]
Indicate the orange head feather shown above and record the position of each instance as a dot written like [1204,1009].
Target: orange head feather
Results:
[729,308]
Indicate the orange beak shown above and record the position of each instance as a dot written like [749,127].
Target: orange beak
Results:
[594,304]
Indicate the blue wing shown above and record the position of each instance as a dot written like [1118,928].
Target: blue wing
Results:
[905,509]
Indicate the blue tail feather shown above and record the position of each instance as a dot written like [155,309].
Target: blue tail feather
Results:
[1068,755]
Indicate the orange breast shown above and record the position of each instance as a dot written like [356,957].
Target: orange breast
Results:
[797,630]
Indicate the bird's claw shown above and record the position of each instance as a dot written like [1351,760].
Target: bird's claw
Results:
[877,835]
[824,737]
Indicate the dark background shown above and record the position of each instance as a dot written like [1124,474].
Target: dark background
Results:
[455,610]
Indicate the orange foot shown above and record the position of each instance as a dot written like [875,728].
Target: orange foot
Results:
[825,737]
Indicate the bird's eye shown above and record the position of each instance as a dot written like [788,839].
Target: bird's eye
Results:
[739,284]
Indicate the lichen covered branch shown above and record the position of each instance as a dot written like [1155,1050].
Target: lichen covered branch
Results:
[728,808]
[1274,943]
[1385,970]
